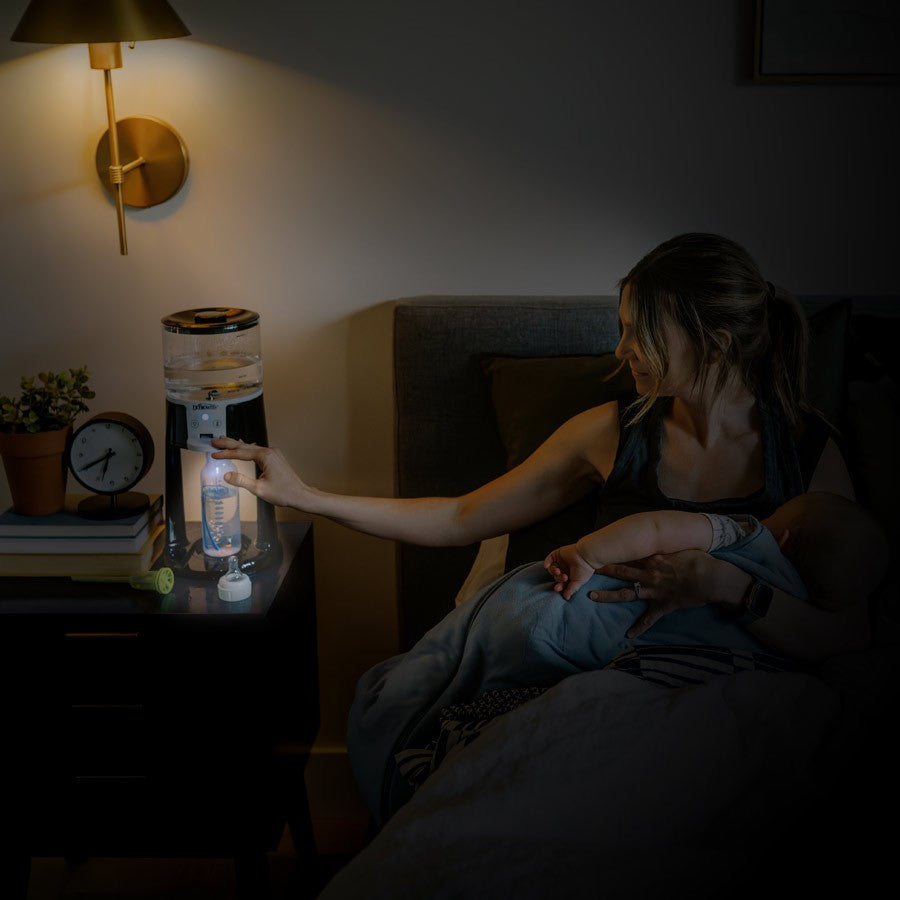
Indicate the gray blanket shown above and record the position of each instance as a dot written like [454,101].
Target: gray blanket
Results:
[608,786]
[518,632]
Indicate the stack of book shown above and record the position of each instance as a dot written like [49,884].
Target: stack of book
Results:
[65,543]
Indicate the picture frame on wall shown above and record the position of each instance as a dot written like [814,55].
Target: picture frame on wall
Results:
[837,41]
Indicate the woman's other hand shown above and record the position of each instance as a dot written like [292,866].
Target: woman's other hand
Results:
[682,580]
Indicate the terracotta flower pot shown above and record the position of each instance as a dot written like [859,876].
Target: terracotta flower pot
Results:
[36,470]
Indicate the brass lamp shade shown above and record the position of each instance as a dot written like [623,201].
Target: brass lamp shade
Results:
[98,21]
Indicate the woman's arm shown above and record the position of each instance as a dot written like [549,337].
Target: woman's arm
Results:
[799,630]
[791,626]
[563,469]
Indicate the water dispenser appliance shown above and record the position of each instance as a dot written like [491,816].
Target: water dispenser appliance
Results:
[213,384]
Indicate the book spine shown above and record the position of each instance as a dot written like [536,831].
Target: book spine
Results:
[54,564]
[68,524]
[86,544]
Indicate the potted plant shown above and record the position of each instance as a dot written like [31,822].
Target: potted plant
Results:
[35,427]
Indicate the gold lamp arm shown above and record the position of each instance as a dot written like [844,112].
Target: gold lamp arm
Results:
[108,56]
[116,175]
[152,145]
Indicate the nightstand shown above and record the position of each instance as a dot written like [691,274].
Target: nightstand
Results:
[148,726]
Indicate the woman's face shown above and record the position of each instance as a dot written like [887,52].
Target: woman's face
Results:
[679,379]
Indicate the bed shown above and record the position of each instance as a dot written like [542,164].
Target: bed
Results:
[609,782]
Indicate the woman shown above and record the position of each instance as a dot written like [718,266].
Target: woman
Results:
[720,424]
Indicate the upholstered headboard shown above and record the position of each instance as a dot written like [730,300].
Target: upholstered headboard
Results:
[447,441]
[447,438]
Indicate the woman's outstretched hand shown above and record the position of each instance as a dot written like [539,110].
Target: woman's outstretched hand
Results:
[682,580]
[277,483]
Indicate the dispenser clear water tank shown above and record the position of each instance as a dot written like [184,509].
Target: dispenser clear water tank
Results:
[212,352]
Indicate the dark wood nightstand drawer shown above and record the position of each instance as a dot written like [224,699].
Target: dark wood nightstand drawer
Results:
[147,726]
[104,665]
[104,740]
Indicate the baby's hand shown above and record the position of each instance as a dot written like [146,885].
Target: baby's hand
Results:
[569,570]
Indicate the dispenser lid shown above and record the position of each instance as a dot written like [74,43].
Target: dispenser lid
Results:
[210,320]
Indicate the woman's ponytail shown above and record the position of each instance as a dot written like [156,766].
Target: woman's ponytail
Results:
[737,323]
[789,340]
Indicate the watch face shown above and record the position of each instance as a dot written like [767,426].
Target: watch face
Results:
[108,456]
[760,599]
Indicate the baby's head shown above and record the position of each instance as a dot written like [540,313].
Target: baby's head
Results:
[837,546]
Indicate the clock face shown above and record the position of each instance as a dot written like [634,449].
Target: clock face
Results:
[110,453]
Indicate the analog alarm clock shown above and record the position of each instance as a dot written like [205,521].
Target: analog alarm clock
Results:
[109,454]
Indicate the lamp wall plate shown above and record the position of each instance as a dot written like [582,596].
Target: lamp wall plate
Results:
[160,158]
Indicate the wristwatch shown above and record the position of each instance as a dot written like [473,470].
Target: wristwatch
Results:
[756,602]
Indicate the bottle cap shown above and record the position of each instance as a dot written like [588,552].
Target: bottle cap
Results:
[234,584]
[161,580]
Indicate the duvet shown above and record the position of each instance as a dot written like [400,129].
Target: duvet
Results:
[607,785]
[608,780]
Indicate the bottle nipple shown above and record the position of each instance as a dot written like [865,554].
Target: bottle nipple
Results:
[234,584]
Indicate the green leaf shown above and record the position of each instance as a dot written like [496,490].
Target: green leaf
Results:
[53,403]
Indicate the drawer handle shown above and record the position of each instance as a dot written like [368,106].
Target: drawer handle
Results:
[107,705]
[102,634]
[108,779]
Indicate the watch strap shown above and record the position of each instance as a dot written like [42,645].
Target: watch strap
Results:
[756,602]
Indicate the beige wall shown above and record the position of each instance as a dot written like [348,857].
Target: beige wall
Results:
[344,154]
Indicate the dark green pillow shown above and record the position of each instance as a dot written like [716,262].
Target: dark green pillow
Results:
[826,381]
[533,396]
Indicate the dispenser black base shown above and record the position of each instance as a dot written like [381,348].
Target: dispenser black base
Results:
[191,560]
[184,552]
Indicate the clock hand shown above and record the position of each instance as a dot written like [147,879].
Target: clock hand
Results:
[109,456]
[96,462]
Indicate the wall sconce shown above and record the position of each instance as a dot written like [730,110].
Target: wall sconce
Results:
[157,156]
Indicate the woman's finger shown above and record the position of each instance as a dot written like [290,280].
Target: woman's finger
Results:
[236,448]
[653,613]
[238,479]
[639,627]
[617,595]
[624,572]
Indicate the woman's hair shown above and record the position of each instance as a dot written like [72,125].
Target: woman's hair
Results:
[708,286]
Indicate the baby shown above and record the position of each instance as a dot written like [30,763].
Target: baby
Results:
[834,544]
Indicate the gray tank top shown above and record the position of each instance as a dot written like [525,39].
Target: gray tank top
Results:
[633,483]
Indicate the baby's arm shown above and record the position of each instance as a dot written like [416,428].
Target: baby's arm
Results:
[632,537]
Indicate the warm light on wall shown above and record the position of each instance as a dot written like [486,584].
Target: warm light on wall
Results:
[156,157]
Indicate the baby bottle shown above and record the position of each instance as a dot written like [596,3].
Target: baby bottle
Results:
[220,505]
